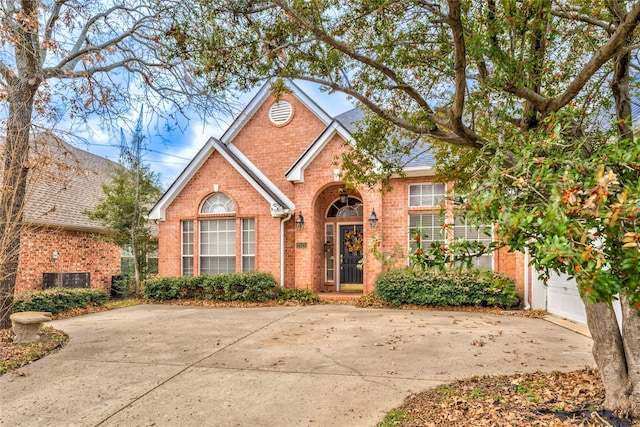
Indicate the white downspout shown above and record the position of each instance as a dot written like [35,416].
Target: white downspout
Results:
[282,221]
[526,279]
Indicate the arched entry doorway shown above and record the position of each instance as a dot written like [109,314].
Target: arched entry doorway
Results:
[344,243]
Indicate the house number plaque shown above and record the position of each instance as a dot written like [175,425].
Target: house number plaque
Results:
[301,245]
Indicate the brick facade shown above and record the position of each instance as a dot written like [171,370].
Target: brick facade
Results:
[78,252]
[273,150]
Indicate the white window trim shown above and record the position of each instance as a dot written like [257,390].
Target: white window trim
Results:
[235,231]
[326,261]
[242,254]
[433,184]
[182,255]
[449,236]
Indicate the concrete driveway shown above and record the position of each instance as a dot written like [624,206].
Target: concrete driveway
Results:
[328,365]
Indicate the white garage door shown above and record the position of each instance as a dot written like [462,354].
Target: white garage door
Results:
[560,297]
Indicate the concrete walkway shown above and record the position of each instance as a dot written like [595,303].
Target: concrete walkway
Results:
[328,365]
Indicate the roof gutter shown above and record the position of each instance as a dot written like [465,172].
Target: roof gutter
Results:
[282,221]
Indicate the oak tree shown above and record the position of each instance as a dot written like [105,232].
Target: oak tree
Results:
[530,100]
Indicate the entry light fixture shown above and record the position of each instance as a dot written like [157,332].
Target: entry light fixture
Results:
[373,219]
[55,255]
[344,197]
[300,222]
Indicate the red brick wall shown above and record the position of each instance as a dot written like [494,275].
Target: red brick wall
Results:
[274,149]
[248,203]
[78,252]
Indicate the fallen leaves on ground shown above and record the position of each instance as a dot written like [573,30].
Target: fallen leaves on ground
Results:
[534,399]
[13,356]
[371,301]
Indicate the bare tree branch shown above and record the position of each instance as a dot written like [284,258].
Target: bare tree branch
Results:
[608,51]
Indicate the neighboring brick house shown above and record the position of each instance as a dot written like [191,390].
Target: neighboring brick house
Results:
[236,205]
[59,244]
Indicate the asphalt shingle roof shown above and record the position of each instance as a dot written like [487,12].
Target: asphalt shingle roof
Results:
[419,155]
[64,181]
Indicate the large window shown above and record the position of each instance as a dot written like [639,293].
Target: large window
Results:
[426,194]
[217,246]
[430,227]
[187,248]
[248,244]
[463,230]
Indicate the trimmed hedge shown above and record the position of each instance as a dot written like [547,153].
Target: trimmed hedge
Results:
[246,286]
[304,296]
[57,300]
[446,288]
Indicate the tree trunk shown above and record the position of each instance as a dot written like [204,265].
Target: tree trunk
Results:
[136,263]
[14,183]
[617,355]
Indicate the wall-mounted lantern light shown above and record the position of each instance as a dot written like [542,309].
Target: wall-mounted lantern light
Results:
[344,197]
[300,222]
[373,219]
[55,255]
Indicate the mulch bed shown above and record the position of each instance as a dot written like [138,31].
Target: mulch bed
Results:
[13,356]
[536,399]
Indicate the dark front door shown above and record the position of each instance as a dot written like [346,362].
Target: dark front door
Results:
[351,250]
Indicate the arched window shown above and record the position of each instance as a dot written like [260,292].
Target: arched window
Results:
[351,209]
[217,203]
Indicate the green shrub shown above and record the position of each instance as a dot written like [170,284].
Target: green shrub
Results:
[449,288]
[246,286]
[305,296]
[57,300]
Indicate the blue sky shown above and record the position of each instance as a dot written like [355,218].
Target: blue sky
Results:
[169,151]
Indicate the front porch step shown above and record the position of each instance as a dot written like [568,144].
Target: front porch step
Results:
[339,296]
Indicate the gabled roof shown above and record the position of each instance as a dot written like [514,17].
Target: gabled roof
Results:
[278,201]
[419,161]
[263,94]
[64,181]
[296,171]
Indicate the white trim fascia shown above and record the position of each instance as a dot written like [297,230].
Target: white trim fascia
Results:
[260,175]
[158,211]
[263,94]
[246,114]
[417,171]
[296,172]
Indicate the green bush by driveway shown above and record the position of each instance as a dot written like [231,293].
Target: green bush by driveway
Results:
[446,288]
[57,300]
[247,286]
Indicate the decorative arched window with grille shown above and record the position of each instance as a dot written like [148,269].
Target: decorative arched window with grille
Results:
[351,209]
[217,203]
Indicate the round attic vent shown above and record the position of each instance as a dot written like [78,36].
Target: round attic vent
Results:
[280,112]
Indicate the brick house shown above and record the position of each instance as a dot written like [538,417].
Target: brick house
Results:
[268,196]
[59,245]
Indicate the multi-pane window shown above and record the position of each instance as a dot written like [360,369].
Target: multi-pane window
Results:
[187,248]
[217,246]
[329,252]
[430,227]
[217,203]
[426,194]
[483,233]
[248,244]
